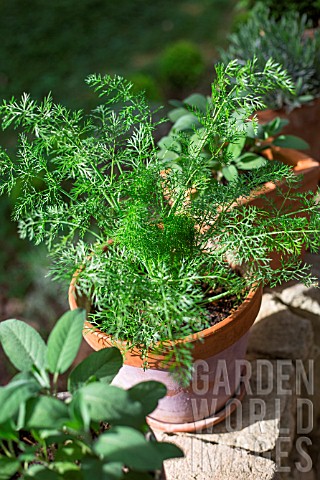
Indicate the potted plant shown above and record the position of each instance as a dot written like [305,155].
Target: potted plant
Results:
[169,276]
[94,430]
[286,40]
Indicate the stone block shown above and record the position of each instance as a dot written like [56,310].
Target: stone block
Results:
[305,300]
[209,461]
[279,333]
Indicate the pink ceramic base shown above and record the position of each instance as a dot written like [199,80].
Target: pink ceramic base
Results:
[200,425]
[215,381]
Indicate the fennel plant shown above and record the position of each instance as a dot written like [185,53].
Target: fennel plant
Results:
[87,181]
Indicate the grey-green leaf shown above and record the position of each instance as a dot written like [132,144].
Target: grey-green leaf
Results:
[8,467]
[15,394]
[177,113]
[64,341]
[102,365]
[22,344]
[8,431]
[46,413]
[93,468]
[249,161]
[197,142]
[110,403]
[274,126]
[129,446]
[290,141]
[198,101]
[236,148]
[40,472]
[167,155]
[230,172]
[148,394]
[187,122]
[169,143]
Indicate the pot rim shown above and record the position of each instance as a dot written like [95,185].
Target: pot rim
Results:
[223,327]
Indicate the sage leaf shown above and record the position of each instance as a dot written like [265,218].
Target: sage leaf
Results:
[167,155]
[64,341]
[8,431]
[249,161]
[177,113]
[169,143]
[8,467]
[22,344]
[15,394]
[148,393]
[235,148]
[94,468]
[80,414]
[124,444]
[274,126]
[111,404]
[102,365]
[229,172]
[290,141]
[70,451]
[66,468]
[187,122]
[40,472]
[198,101]
[46,413]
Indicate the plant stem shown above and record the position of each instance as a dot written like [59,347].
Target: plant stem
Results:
[5,449]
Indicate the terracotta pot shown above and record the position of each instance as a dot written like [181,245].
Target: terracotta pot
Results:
[304,123]
[203,402]
[304,166]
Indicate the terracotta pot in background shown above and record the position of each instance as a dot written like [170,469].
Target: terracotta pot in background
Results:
[303,165]
[202,403]
[304,123]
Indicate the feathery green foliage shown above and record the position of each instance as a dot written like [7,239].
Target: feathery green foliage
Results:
[149,253]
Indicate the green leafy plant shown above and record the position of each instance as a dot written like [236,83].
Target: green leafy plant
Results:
[243,155]
[148,254]
[94,430]
[286,42]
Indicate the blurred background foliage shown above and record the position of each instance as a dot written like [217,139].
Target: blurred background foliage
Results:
[53,46]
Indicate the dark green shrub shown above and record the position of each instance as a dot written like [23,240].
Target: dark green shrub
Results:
[142,82]
[181,65]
